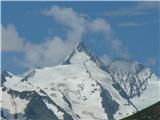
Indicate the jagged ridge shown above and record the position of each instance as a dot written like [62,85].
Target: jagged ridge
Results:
[66,91]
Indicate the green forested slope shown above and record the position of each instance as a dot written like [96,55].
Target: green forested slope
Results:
[150,113]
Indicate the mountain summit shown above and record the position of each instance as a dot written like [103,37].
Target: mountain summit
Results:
[81,47]
[81,54]
[82,87]
[80,51]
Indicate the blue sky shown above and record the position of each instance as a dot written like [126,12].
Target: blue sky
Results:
[38,34]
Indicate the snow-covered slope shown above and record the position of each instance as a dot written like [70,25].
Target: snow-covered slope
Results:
[139,83]
[82,87]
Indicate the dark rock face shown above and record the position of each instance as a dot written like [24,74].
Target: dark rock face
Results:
[67,101]
[5,114]
[110,106]
[128,76]
[66,116]
[37,110]
[80,48]
[123,94]
[120,90]
[31,74]
[5,74]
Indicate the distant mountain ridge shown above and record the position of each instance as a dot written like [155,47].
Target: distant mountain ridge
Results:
[82,87]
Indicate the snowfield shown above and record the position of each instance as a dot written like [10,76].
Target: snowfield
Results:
[79,89]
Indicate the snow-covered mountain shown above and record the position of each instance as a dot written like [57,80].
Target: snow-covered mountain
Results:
[83,87]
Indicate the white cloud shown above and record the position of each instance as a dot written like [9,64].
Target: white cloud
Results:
[77,22]
[139,8]
[68,17]
[100,25]
[53,51]
[152,61]
[147,5]
[50,52]
[119,48]
[130,24]
[11,41]
[122,13]
[116,45]
[106,59]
